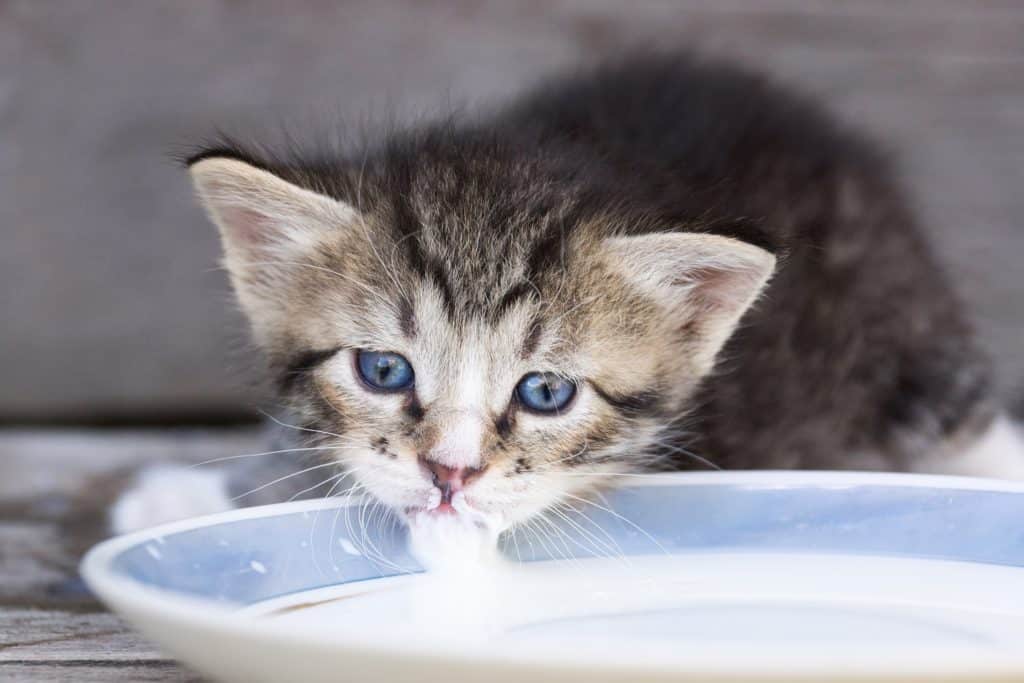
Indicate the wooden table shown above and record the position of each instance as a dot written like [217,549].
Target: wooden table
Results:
[54,486]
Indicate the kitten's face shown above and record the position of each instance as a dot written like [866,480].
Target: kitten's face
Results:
[472,363]
[526,404]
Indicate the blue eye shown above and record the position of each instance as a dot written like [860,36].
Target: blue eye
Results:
[383,370]
[545,392]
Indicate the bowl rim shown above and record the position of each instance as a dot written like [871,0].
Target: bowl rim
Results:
[124,594]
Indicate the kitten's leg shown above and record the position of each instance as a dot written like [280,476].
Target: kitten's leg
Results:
[997,451]
[167,493]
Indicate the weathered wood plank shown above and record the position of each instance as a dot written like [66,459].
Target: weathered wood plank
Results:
[54,489]
[29,635]
[29,561]
[95,672]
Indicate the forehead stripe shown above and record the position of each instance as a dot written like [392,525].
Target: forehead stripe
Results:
[518,291]
[435,272]
[532,339]
[407,318]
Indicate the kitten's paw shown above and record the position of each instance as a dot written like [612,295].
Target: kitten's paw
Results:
[167,493]
[998,452]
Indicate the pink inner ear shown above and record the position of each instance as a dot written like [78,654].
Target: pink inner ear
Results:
[719,288]
[248,229]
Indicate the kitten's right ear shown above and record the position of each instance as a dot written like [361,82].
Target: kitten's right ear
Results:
[260,216]
[269,227]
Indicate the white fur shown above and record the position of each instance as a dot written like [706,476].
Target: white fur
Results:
[460,445]
[460,442]
[167,493]
[997,453]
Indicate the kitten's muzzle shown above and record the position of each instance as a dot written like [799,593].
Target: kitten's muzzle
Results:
[450,480]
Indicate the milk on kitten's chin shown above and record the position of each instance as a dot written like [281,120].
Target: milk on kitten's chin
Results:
[458,540]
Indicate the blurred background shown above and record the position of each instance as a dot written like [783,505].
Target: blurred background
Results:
[119,343]
[113,310]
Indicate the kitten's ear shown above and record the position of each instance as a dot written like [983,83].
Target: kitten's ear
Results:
[706,280]
[261,216]
[268,228]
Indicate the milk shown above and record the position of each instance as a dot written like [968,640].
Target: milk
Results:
[674,604]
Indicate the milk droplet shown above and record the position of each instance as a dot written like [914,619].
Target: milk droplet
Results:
[347,546]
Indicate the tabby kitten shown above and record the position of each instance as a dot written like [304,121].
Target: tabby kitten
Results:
[659,264]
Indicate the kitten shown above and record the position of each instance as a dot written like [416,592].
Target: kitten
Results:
[659,264]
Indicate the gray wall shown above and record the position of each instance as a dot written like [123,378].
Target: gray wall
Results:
[111,304]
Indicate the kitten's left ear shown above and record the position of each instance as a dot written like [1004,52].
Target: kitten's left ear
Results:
[709,280]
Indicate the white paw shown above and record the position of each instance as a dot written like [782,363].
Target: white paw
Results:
[997,453]
[167,493]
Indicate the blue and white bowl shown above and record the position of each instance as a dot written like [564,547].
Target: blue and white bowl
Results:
[743,576]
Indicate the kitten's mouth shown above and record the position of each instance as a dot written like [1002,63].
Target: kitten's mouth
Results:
[443,508]
[454,507]
[444,501]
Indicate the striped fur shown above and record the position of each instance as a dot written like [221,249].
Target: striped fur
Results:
[616,227]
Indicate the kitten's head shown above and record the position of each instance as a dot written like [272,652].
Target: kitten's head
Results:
[473,334]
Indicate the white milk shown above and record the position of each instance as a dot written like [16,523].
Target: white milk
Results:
[749,600]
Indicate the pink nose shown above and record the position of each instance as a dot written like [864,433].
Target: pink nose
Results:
[450,480]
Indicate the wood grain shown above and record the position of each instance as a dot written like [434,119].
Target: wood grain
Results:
[90,671]
[55,486]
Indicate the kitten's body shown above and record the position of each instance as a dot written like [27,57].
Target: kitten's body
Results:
[858,352]
[574,232]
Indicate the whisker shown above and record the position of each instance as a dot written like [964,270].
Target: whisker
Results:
[611,550]
[297,427]
[312,528]
[316,486]
[532,526]
[332,537]
[599,528]
[567,553]
[515,542]
[599,474]
[593,549]
[280,479]
[615,514]
[587,518]
[529,540]
[376,555]
[673,449]
[257,455]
